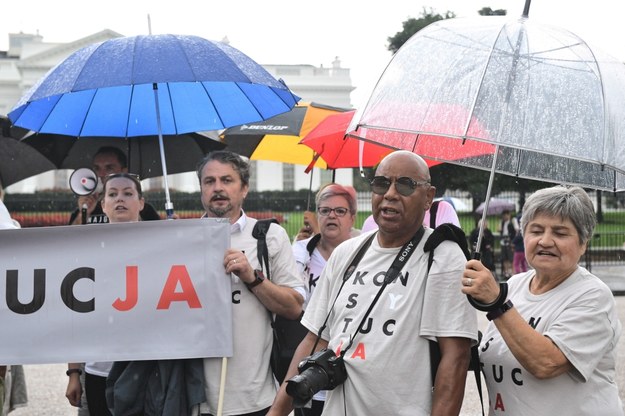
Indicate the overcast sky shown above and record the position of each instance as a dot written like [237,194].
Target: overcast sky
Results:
[294,32]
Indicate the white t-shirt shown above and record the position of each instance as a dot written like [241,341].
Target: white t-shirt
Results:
[100,368]
[250,384]
[310,265]
[580,317]
[388,365]
[6,222]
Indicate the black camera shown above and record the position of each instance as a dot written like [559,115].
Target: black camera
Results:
[321,371]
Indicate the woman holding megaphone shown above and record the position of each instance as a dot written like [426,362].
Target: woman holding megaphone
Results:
[122,201]
[87,185]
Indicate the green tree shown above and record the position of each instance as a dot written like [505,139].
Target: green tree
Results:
[487,11]
[412,26]
[448,176]
[475,181]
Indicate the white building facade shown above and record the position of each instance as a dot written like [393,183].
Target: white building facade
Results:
[29,58]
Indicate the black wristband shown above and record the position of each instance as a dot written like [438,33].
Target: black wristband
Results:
[74,370]
[487,307]
[499,311]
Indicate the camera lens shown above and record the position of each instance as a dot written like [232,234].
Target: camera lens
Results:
[304,386]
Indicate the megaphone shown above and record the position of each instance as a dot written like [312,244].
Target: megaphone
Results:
[84,181]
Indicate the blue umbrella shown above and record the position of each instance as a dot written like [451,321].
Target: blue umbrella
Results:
[151,85]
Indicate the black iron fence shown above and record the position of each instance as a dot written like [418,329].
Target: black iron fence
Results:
[52,208]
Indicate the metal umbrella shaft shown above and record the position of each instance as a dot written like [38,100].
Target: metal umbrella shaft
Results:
[510,83]
[309,190]
[169,206]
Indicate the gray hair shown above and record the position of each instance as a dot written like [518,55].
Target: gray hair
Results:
[227,157]
[571,203]
[334,189]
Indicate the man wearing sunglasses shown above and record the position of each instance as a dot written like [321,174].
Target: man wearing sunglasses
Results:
[382,321]
[108,160]
[440,212]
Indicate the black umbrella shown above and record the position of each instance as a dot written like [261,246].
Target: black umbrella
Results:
[183,151]
[18,161]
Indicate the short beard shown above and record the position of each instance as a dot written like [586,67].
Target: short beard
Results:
[220,212]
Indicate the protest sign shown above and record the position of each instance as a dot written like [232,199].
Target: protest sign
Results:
[115,292]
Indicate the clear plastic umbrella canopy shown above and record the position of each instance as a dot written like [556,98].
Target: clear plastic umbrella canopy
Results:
[553,107]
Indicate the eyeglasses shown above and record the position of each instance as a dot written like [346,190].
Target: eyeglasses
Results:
[338,211]
[404,185]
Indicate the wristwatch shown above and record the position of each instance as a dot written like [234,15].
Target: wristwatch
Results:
[494,314]
[259,277]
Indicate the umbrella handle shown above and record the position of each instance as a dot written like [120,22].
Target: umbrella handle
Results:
[169,210]
[83,212]
[487,307]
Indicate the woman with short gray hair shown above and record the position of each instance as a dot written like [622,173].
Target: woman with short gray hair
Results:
[563,202]
[550,346]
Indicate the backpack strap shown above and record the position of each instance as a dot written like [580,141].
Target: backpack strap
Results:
[447,231]
[261,228]
[433,210]
[454,233]
[310,247]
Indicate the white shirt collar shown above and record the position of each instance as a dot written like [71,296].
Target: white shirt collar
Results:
[238,225]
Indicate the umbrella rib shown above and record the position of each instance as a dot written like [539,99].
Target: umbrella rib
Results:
[479,139]
[173,108]
[132,85]
[84,120]
[82,69]
[132,96]
[213,104]
[186,56]
[253,105]
[605,115]
[370,141]
[481,84]
[418,132]
[287,89]
[134,53]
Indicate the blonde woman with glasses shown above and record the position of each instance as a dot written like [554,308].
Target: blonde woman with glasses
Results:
[336,213]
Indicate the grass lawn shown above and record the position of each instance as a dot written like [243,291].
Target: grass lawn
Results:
[609,233]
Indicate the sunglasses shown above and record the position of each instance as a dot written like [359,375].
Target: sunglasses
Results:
[339,211]
[126,175]
[404,185]
[132,176]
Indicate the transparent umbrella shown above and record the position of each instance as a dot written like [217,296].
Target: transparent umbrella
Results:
[551,105]
[496,206]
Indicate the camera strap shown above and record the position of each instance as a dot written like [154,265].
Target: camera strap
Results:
[400,260]
[348,272]
[402,257]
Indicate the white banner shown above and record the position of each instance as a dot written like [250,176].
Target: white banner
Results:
[115,292]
